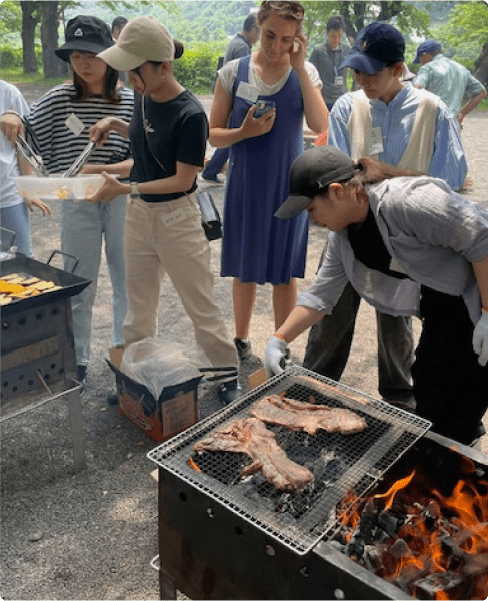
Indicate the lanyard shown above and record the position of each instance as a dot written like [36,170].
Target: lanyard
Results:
[336,70]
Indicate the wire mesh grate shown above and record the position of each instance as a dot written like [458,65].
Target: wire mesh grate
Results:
[338,463]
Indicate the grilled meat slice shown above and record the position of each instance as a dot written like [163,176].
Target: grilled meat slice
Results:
[250,436]
[296,415]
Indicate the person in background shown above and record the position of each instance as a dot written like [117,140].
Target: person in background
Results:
[117,25]
[14,210]
[409,245]
[327,57]
[390,120]
[163,232]
[447,79]
[257,248]
[58,126]
[240,45]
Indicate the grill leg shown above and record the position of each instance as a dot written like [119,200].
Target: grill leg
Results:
[77,434]
[167,589]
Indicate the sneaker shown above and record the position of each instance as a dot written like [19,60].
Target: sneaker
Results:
[113,398]
[215,179]
[229,392]
[244,349]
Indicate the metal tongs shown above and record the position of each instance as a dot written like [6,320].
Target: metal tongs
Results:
[79,163]
[31,157]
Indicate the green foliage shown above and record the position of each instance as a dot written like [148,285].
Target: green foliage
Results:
[196,68]
[465,32]
[11,58]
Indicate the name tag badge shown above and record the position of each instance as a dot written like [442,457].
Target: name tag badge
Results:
[247,92]
[173,218]
[338,81]
[375,140]
[75,125]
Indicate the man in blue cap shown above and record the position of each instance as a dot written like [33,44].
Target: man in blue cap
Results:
[396,123]
[448,79]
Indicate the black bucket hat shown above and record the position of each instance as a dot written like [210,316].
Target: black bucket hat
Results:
[86,34]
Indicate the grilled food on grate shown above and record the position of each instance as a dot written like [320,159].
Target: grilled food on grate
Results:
[251,437]
[17,286]
[276,409]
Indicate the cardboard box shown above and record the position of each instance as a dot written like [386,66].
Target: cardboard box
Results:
[174,411]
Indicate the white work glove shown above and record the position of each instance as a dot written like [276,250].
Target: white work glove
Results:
[480,339]
[275,356]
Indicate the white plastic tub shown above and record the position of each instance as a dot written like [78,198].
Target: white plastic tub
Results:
[58,188]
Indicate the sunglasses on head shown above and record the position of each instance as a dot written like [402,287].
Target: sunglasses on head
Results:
[295,8]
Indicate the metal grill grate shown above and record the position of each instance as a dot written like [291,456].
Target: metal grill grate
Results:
[339,463]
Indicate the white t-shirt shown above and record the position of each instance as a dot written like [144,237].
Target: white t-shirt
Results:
[228,74]
[10,99]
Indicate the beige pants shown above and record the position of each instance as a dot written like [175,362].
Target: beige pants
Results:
[167,238]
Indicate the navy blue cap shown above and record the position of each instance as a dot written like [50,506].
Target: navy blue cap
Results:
[376,45]
[428,45]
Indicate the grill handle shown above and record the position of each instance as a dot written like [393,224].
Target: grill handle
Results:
[59,252]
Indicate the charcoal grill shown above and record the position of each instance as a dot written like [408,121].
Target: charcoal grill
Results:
[38,361]
[339,463]
[216,546]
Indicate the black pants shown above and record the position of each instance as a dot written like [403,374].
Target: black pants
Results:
[330,339]
[450,387]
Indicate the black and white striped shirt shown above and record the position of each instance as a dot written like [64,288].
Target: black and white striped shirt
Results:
[58,145]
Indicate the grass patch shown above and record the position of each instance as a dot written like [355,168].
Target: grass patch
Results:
[17,76]
[483,105]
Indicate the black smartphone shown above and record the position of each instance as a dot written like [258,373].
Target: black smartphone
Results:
[263,106]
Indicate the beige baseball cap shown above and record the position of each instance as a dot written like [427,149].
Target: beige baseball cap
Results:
[142,39]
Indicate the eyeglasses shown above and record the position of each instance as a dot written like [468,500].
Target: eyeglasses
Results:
[294,8]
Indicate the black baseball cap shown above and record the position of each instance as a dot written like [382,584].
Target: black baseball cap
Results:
[86,34]
[376,45]
[310,173]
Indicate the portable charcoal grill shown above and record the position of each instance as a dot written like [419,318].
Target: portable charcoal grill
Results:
[38,361]
[211,546]
[339,463]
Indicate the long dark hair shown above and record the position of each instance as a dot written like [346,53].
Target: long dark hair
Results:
[110,92]
[371,171]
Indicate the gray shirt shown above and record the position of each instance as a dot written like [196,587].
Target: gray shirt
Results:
[237,48]
[433,235]
[327,62]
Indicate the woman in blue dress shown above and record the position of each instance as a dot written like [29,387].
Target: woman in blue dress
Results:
[258,248]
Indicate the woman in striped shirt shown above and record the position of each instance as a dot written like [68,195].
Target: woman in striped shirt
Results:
[58,127]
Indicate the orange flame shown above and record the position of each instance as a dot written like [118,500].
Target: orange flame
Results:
[398,485]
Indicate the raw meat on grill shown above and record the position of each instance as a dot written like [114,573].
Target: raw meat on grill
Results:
[250,436]
[296,415]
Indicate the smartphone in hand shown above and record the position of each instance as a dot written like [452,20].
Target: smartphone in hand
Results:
[262,107]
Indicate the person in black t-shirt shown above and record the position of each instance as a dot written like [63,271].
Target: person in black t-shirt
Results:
[163,233]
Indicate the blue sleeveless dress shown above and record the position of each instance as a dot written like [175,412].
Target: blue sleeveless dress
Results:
[258,247]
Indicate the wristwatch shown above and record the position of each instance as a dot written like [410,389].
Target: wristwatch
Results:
[134,190]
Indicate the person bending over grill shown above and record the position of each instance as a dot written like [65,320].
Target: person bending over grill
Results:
[163,231]
[409,245]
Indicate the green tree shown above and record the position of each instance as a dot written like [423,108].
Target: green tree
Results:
[465,33]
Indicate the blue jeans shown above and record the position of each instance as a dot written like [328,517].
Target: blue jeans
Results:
[17,219]
[84,227]
[216,163]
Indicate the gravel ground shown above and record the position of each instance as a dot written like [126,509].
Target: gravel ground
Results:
[93,534]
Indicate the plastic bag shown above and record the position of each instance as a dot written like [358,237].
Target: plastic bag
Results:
[157,364]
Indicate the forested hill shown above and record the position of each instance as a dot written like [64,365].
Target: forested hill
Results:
[188,20]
